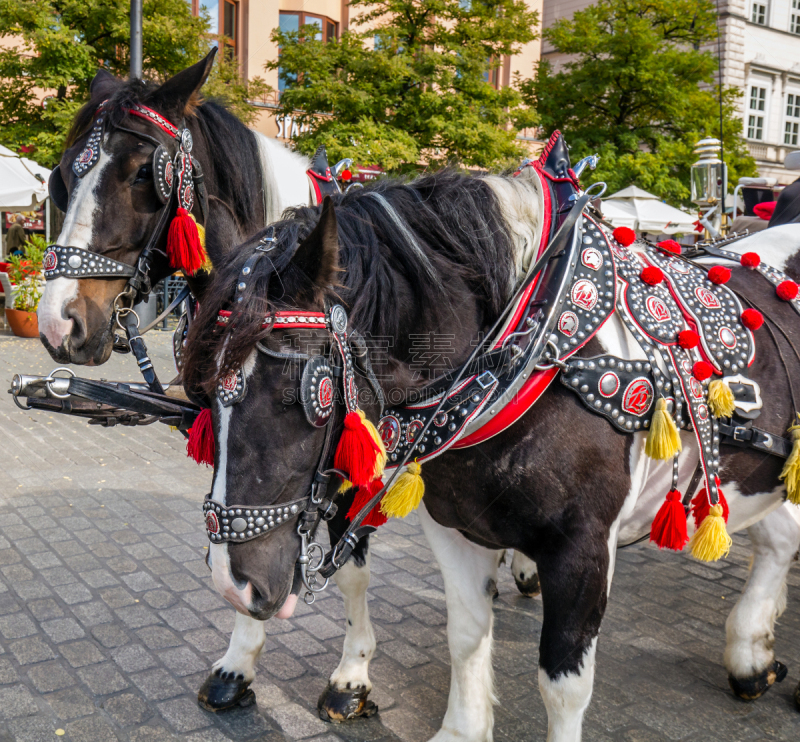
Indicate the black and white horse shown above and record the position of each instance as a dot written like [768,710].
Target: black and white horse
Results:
[112,210]
[442,255]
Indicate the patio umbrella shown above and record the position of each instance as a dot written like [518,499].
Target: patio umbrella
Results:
[23,183]
[632,207]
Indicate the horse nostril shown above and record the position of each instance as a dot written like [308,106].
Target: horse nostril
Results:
[78,335]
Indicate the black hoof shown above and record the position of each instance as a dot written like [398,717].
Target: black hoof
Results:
[529,587]
[223,691]
[337,706]
[748,689]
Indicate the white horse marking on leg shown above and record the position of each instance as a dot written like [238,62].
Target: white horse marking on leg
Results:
[468,571]
[245,646]
[750,625]
[359,641]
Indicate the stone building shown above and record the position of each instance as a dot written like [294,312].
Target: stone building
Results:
[760,56]
[249,25]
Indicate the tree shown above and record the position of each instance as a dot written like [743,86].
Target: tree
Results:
[412,86]
[61,45]
[639,90]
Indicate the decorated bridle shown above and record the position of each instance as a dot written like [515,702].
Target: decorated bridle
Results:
[177,174]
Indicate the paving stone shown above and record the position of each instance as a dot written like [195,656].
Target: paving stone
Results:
[73,594]
[110,635]
[81,653]
[183,715]
[132,658]
[31,729]
[102,679]
[7,672]
[93,729]
[63,629]
[181,619]
[159,637]
[91,614]
[182,661]
[16,626]
[50,676]
[127,709]
[17,701]
[158,684]
[33,649]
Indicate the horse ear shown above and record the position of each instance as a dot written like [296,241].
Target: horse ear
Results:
[317,257]
[103,84]
[175,94]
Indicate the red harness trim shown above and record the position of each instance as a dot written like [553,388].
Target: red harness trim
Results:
[283,320]
[148,114]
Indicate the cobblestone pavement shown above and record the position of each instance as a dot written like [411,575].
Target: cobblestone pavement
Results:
[109,621]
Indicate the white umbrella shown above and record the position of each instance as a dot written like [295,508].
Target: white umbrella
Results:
[632,207]
[20,188]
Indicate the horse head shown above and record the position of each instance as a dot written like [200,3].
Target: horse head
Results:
[111,182]
[256,395]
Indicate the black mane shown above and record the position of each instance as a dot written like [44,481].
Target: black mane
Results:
[232,148]
[442,243]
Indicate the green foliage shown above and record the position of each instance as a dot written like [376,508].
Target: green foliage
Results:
[62,44]
[411,87]
[26,272]
[639,91]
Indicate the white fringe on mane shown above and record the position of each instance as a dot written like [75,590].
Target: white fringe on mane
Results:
[285,180]
[522,206]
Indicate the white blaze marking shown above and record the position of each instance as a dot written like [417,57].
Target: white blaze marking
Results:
[77,232]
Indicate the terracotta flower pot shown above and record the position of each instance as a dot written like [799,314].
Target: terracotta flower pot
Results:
[23,324]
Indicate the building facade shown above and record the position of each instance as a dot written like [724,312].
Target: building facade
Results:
[760,43]
[250,23]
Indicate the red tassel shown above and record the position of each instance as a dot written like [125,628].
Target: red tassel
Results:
[375,517]
[669,526]
[750,260]
[702,370]
[688,339]
[357,452]
[752,319]
[200,445]
[787,290]
[184,250]
[624,235]
[701,506]
[670,246]
[719,274]
[652,275]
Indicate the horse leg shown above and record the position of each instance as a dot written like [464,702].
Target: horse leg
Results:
[228,685]
[470,574]
[574,582]
[345,696]
[524,571]
[749,658]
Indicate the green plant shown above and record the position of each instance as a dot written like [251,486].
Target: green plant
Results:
[26,272]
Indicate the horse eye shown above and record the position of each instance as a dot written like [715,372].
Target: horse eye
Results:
[145,173]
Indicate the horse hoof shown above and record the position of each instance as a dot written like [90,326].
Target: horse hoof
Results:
[337,706]
[529,587]
[748,689]
[223,691]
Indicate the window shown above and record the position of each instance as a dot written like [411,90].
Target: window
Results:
[791,128]
[291,22]
[759,14]
[756,112]
[492,75]
[223,18]
[794,18]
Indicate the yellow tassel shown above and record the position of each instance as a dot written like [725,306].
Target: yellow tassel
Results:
[663,440]
[405,494]
[380,461]
[201,233]
[720,398]
[173,428]
[344,486]
[791,469]
[711,541]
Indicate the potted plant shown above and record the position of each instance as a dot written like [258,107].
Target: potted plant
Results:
[26,272]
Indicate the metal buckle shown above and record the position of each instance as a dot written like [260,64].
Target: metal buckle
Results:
[739,431]
[486,379]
